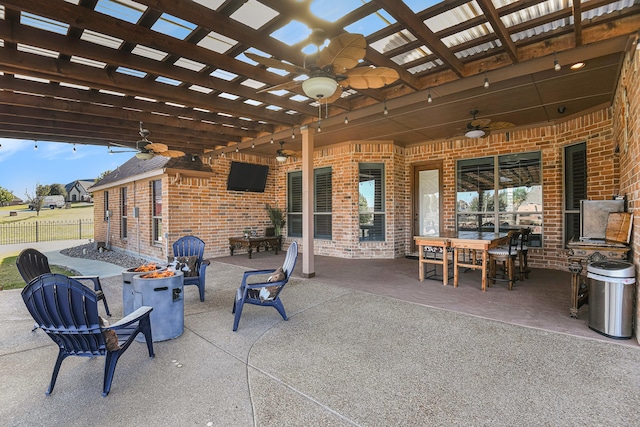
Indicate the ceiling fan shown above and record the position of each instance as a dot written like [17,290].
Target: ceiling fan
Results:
[283,154]
[146,149]
[334,68]
[477,128]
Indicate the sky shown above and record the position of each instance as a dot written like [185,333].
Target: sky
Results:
[22,167]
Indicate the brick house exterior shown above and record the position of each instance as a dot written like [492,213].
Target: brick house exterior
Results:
[197,202]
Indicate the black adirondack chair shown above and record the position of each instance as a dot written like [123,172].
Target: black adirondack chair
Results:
[68,312]
[32,263]
[192,246]
[264,293]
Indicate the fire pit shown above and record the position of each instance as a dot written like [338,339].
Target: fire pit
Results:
[127,285]
[164,292]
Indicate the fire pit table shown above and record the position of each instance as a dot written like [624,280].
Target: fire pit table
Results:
[165,295]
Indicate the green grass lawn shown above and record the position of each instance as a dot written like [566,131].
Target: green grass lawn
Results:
[10,277]
[75,212]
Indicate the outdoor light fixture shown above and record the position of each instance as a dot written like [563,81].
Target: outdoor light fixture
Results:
[144,155]
[486,80]
[35,147]
[429,98]
[474,133]
[385,111]
[556,64]
[319,87]
[271,139]
[346,119]
[281,158]
[253,145]
[74,148]
[293,134]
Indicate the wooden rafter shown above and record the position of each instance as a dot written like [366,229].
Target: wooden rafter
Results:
[498,27]
[404,15]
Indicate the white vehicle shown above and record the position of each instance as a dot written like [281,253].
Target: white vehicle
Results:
[51,202]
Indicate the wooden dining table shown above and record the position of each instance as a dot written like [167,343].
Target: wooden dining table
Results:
[458,242]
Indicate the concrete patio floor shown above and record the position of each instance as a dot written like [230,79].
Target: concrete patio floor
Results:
[366,344]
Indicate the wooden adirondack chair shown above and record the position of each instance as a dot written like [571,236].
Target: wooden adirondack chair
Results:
[264,293]
[68,312]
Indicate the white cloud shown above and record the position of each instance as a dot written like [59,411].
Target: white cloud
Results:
[11,147]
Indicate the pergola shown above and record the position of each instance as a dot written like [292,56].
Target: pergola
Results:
[88,71]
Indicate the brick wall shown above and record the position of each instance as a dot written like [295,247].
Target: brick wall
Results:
[626,134]
[594,128]
[203,206]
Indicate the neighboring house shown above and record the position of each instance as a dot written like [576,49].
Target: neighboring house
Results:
[77,190]
[16,201]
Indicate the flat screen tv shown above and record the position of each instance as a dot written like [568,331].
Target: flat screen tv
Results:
[247,177]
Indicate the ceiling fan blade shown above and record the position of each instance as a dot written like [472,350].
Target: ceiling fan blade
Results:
[500,125]
[157,147]
[370,78]
[117,144]
[343,52]
[288,153]
[171,153]
[275,63]
[284,86]
[479,123]
[122,151]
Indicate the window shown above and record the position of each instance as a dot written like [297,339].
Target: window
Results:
[322,204]
[106,206]
[156,210]
[371,201]
[123,212]
[500,193]
[575,187]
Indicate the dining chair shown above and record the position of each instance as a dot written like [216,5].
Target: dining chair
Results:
[523,253]
[506,255]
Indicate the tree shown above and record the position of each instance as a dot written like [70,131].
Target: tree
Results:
[35,199]
[363,206]
[57,189]
[5,196]
[42,190]
[102,175]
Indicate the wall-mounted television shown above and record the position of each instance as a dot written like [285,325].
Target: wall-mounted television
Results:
[247,177]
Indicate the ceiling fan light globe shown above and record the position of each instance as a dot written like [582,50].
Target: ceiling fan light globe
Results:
[144,156]
[319,87]
[281,158]
[474,133]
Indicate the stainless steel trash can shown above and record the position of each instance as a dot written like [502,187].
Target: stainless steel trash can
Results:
[611,297]
[165,295]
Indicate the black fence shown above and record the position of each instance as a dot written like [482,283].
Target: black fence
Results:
[45,231]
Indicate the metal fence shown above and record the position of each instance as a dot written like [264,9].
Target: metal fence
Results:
[45,231]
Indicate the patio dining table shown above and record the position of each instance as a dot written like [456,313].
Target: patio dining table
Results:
[458,242]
